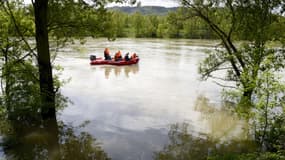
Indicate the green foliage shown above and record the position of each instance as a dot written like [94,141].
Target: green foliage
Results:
[21,89]
[25,135]
[21,64]
[70,19]
[268,116]
[172,25]
[19,73]
[19,83]
[251,156]
[252,67]
[267,113]
[185,146]
[242,63]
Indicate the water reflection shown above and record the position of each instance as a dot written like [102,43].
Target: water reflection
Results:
[28,140]
[130,107]
[221,123]
[225,136]
[186,146]
[117,70]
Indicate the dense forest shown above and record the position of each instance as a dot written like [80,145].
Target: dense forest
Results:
[160,22]
[143,22]
[154,23]
[30,35]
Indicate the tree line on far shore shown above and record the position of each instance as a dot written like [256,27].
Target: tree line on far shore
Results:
[175,24]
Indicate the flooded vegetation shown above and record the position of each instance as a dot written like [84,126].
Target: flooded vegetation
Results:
[132,112]
[53,140]
[185,99]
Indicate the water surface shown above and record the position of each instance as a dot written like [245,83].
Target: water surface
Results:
[130,108]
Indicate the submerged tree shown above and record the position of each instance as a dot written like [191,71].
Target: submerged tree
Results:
[254,21]
[43,59]
[18,74]
[61,17]
[28,84]
[268,115]
[253,64]
[46,20]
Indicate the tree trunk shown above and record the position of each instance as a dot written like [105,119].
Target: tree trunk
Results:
[247,97]
[245,103]
[45,70]
[53,147]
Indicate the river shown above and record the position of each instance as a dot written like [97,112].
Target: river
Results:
[129,109]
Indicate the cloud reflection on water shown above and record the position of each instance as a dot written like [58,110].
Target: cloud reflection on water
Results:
[125,103]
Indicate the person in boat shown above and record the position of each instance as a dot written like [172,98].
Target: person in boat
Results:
[127,58]
[118,56]
[134,56]
[107,54]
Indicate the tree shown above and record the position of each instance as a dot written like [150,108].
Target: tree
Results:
[269,114]
[252,65]
[54,19]
[17,72]
[43,58]
[138,23]
[175,24]
[243,64]
[120,24]
[29,93]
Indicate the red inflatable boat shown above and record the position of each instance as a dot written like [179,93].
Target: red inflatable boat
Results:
[101,61]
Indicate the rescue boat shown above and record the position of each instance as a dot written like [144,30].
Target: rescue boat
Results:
[101,61]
